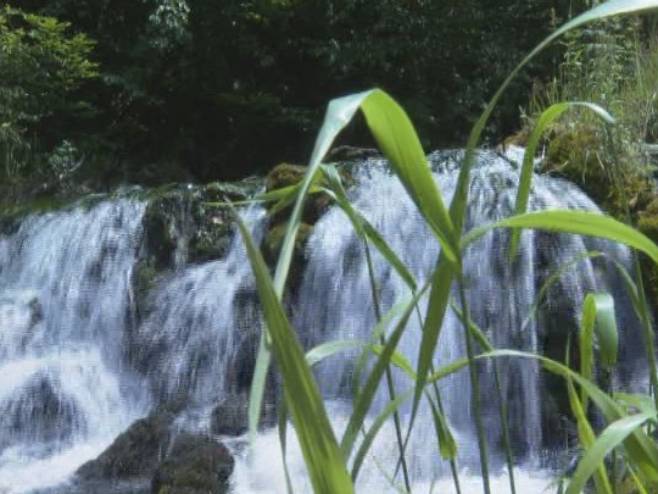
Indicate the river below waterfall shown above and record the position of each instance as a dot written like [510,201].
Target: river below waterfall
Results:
[84,351]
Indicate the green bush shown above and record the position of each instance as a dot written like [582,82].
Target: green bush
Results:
[41,65]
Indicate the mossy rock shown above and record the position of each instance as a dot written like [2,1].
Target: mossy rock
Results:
[520,139]
[284,175]
[272,246]
[234,191]
[196,464]
[576,153]
[274,240]
[134,453]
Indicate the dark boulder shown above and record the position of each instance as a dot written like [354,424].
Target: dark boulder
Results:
[231,416]
[135,453]
[196,464]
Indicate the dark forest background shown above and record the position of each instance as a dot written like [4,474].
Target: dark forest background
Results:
[151,91]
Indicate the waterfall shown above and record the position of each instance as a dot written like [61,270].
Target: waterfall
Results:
[64,304]
[80,363]
[204,323]
[335,302]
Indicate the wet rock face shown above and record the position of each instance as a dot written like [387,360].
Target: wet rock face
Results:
[195,465]
[231,416]
[184,224]
[20,313]
[135,453]
[40,413]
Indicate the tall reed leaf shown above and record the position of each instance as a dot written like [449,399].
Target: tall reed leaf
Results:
[587,438]
[549,115]
[606,328]
[639,446]
[578,222]
[369,437]
[398,140]
[607,9]
[324,460]
[586,342]
[613,436]
[364,399]
[339,113]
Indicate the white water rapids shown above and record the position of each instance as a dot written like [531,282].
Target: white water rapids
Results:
[77,367]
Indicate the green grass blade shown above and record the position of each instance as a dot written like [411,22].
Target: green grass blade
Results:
[549,115]
[442,279]
[374,429]
[379,329]
[447,370]
[640,402]
[606,329]
[447,444]
[324,350]
[638,445]
[606,9]
[339,114]
[397,359]
[398,140]
[324,460]
[610,438]
[631,287]
[282,422]
[577,222]
[586,342]
[364,398]
[257,389]
[587,438]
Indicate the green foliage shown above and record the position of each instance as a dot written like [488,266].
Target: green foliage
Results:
[41,65]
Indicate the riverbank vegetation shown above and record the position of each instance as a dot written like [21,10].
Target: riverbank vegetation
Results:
[178,90]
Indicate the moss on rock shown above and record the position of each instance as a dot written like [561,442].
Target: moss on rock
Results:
[283,175]
[577,153]
[623,188]
[195,465]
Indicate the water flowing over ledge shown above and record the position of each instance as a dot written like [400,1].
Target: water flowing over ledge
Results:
[84,355]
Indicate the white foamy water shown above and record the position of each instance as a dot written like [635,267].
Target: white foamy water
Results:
[261,470]
[77,369]
[65,300]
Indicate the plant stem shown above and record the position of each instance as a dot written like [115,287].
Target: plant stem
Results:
[475,389]
[389,375]
[453,463]
[503,420]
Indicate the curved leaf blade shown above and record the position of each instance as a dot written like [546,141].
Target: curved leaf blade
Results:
[325,463]
[547,117]
[577,222]
[613,435]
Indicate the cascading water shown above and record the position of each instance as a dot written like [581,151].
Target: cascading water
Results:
[335,302]
[64,301]
[204,318]
[79,366]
